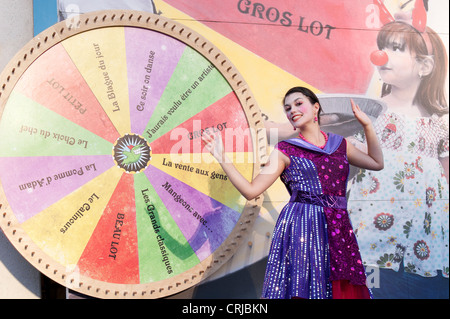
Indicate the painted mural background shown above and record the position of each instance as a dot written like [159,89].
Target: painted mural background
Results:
[400,215]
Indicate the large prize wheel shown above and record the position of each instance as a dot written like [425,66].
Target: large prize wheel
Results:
[105,185]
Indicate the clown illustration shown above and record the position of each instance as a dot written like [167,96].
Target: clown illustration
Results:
[400,215]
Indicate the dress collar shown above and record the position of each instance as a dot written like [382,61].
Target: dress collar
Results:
[334,141]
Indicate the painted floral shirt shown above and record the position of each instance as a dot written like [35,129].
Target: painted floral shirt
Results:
[401,214]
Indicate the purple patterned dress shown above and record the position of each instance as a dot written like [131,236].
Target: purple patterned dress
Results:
[313,241]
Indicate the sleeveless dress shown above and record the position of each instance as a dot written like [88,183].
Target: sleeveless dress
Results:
[314,253]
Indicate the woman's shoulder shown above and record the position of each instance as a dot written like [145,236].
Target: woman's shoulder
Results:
[282,144]
[284,147]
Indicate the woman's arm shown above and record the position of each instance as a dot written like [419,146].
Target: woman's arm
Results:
[373,158]
[268,175]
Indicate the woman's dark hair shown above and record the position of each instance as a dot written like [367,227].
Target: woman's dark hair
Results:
[308,93]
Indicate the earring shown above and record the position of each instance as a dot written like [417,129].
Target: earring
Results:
[316,119]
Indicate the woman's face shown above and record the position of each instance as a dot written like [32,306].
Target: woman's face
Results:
[299,110]
[401,68]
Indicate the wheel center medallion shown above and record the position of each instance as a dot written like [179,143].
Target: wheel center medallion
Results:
[132,153]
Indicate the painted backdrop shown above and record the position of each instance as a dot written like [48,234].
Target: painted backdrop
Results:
[391,55]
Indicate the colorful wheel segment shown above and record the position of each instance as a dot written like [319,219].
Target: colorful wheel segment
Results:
[105,183]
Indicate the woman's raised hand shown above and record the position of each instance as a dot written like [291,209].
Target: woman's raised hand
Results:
[373,158]
[362,117]
[214,144]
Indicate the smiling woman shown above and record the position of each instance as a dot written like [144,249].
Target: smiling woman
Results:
[316,178]
[301,99]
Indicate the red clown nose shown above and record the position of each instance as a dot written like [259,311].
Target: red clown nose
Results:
[379,58]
